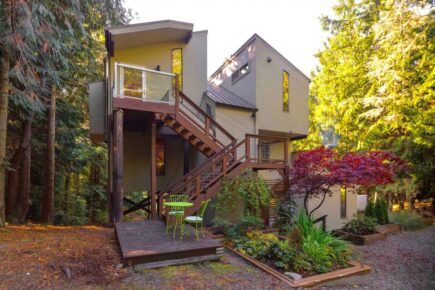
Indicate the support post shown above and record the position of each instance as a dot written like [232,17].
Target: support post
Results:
[153,168]
[248,148]
[286,151]
[177,95]
[118,165]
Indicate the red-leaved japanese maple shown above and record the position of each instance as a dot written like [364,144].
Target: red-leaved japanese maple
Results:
[316,171]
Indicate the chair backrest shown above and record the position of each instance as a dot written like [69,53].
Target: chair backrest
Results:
[203,207]
[177,198]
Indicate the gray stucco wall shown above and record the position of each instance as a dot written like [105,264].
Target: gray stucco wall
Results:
[137,161]
[244,87]
[269,93]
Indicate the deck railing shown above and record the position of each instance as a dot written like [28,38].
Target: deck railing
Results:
[246,151]
[156,86]
[139,82]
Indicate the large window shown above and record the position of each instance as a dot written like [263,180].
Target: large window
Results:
[160,157]
[177,65]
[285,90]
[240,73]
[343,199]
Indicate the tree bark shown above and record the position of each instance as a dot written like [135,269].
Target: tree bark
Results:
[23,201]
[47,212]
[66,194]
[14,209]
[4,94]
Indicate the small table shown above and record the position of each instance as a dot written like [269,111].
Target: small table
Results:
[178,218]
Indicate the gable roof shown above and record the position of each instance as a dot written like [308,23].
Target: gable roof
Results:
[254,37]
[221,95]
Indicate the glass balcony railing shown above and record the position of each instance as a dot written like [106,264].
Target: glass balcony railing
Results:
[139,82]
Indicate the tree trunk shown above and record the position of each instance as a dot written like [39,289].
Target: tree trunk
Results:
[12,189]
[18,164]
[90,199]
[4,94]
[23,201]
[319,205]
[66,195]
[47,212]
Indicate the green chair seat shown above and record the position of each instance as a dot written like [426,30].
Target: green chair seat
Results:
[197,220]
[176,212]
[193,219]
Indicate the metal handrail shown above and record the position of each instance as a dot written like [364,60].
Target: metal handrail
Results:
[143,69]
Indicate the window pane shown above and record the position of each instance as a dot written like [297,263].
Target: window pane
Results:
[244,69]
[160,157]
[285,102]
[177,65]
[343,202]
[235,76]
[132,83]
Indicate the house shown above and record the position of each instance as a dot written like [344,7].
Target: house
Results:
[170,129]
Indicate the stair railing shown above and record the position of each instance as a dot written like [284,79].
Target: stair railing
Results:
[187,108]
[219,165]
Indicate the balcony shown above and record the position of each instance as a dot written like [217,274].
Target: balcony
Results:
[139,88]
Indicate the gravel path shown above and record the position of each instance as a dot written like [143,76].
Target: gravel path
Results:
[403,261]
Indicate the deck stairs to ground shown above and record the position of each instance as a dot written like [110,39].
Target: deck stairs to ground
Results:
[226,156]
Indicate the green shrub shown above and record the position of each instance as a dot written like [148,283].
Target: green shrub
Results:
[315,251]
[378,211]
[370,209]
[236,230]
[362,226]
[321,250]
[409,220]
[248,187]
[381,211]
[286,210]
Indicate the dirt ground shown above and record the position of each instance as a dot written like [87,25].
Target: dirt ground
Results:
[40,257]
[35,257]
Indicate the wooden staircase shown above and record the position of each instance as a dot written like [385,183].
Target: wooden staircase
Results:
[226,157]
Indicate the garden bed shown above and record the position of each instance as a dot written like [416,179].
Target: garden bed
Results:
[217,232]
[389,229]
[380,233]
[355,269]
[360,239]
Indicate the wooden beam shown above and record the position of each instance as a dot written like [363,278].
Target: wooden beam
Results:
[118,165]
[153,167]
[139,104]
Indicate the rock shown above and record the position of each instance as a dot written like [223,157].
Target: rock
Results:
[293,276]
[67,272]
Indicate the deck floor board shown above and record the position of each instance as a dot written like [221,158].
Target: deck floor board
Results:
[147,241]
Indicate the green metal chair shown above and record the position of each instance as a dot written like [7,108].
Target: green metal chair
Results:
[175,212]
[197,220]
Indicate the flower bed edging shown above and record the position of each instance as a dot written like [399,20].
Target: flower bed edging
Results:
[389,229]
[355,269]
[361,239]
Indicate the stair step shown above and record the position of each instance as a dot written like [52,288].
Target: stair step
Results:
[203,147]
[170,122]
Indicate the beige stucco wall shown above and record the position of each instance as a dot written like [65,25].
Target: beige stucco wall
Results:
[269,93]
[331,208]
[194,61]
[262,86]
[137,161]
[236,121]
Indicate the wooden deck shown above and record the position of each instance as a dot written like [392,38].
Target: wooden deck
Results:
[146,243]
